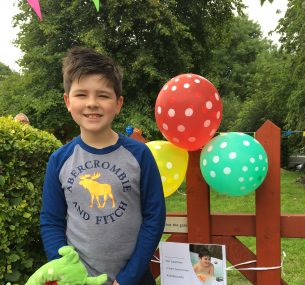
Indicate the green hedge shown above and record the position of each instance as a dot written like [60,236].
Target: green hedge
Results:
[24,152]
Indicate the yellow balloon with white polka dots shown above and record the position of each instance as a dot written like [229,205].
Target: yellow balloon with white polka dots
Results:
[172,164]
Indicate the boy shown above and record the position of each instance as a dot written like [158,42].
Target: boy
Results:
[102,192]
[204,269]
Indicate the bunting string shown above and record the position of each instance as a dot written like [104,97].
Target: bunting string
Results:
[36,7]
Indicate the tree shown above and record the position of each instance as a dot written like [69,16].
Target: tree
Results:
[234,68]
[292,31]
[234,63]
[4,71]
[153,41]
[11,91]
[270,90]
[231,106]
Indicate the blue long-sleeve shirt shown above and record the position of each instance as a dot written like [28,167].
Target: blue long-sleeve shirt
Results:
[108,203]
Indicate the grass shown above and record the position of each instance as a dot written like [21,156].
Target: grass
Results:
[292,202]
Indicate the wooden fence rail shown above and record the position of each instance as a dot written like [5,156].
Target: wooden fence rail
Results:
[198,225]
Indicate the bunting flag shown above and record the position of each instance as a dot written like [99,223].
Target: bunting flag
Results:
[97,4]
[285,134]
[36,7]
[288,133]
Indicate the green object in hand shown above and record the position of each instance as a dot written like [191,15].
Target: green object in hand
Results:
[66,270]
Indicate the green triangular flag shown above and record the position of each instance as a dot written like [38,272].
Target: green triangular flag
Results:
[97,4]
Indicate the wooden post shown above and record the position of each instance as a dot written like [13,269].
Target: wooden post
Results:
[198,202]
[268,209]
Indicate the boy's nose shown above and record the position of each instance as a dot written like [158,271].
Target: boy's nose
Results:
[92,103]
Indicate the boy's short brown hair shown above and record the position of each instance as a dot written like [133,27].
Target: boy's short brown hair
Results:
[81,61]
[204,252]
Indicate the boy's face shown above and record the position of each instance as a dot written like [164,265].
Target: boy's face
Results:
[93,104]
[205,260]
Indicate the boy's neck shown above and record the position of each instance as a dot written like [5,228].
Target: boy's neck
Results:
[100,140]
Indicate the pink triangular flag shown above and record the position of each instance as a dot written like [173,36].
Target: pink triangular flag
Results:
[97,4]
[36,7]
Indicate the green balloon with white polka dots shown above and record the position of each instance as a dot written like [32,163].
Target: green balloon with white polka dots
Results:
[234,164]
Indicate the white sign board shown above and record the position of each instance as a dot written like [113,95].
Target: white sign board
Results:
[192,264]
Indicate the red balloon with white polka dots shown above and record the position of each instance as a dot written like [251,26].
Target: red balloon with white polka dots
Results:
[188,111]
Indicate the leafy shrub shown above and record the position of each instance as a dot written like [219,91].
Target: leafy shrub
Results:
[24,152]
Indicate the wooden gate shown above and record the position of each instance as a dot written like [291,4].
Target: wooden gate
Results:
[267,225]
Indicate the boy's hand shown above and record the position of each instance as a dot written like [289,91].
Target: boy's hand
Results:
[115,283]
[66,270]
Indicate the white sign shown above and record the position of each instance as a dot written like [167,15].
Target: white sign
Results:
[192,264]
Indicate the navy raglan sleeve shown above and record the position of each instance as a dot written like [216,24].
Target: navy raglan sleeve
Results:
[153,212]
[53,212]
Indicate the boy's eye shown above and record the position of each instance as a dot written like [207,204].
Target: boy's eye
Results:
[79,95]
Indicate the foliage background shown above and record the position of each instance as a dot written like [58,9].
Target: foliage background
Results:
[24,152]
[153,40]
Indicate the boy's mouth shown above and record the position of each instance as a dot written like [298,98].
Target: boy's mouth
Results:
[92,116]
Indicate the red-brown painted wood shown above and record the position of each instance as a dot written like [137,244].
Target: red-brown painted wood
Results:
[268,225]
[237,253]
[154,266]
[178,238]
[233,224]
[198,202]
[268,209]
[292,225]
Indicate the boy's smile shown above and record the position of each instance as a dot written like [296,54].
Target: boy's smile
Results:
[93,104]
[205,261]
[92,116]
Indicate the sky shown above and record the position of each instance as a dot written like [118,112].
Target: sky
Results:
[265,15]
[8,52]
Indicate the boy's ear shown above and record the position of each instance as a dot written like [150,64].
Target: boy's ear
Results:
[120,102]
[67,101]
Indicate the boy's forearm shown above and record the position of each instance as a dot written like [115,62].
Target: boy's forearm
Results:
[53,238]
[53,213]
[53,234]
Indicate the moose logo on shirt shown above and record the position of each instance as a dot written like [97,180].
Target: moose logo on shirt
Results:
[97,189]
